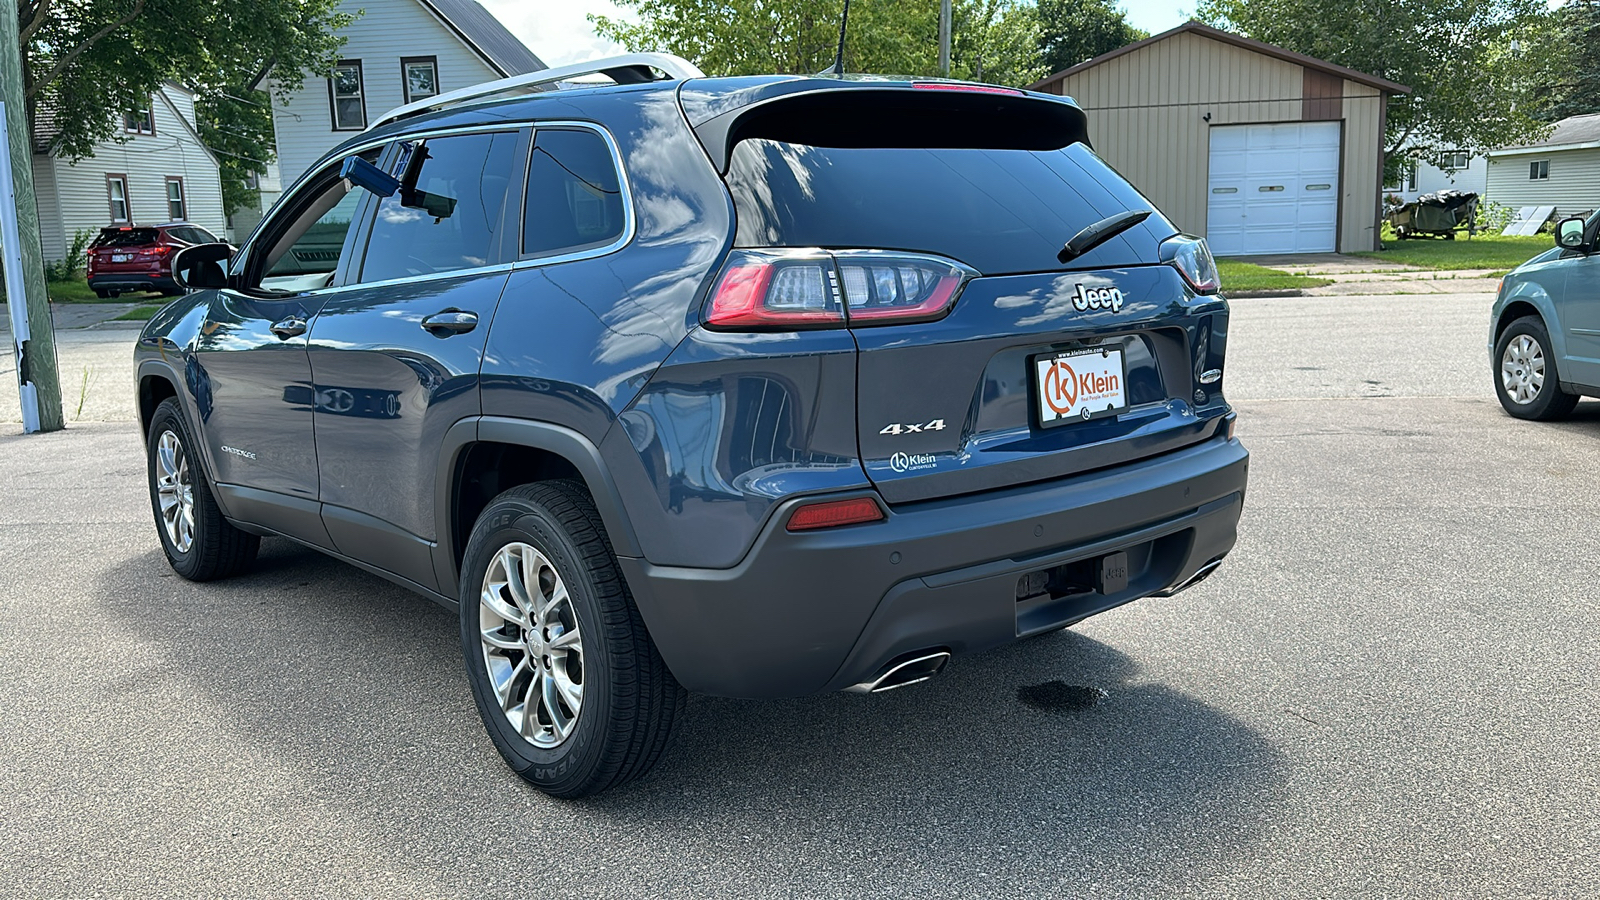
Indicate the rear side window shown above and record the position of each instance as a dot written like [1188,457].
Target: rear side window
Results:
[574,198]
[999,211]
[449,211]
[125,237]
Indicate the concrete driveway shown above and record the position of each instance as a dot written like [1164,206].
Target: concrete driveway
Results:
[1388,690]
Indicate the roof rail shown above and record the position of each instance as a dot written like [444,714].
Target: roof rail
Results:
[630,68]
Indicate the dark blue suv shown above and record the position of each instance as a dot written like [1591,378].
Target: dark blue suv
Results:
[758,386]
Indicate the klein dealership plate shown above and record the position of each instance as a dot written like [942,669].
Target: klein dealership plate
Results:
[1081,385]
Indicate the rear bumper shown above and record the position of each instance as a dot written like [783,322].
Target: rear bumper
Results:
[132,281]
[804,613]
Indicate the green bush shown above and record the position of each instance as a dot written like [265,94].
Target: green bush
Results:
[69,268]
[1494,217]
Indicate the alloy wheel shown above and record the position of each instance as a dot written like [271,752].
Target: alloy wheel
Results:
[175,491]
[532,648]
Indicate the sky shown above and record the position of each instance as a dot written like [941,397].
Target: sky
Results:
[558,32]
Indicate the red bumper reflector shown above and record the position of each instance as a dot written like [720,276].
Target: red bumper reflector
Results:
[835,512]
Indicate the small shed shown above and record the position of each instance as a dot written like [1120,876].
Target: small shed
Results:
[1562,170]
[1257,148]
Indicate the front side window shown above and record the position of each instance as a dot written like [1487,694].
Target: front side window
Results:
[141,120]
[421,77]
[574,198]
[1539,171]
[117,195]
[347,96]
[305,240]
[176,210]
[447,214]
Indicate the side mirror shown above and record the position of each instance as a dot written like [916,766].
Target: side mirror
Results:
[1569,234]
[201,267]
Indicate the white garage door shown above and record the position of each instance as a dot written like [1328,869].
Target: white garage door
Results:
[1273,188]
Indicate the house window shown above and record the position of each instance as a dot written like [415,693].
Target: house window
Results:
[1455,161]
[1405,179]
[1539,171]
[347,97]
[421,77]
[141,120]
[175,204]
[117,197]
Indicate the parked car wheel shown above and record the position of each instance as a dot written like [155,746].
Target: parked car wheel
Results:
[103,295]
[200,544]
[572,690]
[1526,379]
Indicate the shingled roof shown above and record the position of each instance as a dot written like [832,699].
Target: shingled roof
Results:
[483,32]
[1574,133]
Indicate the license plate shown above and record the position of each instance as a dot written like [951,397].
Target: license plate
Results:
[121,257]
[1082,385]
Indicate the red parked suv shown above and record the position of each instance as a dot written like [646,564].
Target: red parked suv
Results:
[127,258]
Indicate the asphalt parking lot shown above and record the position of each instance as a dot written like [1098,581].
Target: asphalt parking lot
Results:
[1388,690]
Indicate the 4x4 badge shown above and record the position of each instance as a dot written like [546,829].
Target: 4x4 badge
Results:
[912,428]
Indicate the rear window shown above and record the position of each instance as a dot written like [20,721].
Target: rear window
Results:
[999,211]
[125,237]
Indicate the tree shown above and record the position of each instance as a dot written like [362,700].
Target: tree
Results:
[1454,54]
[994,38]
[1574,85]
[1071,31]
[84,61]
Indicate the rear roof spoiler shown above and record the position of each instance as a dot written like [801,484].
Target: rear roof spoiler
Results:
[826,112]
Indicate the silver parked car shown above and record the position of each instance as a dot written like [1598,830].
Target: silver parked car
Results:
[1544,342]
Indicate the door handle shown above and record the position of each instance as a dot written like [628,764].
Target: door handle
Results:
[450,321]
[294,326]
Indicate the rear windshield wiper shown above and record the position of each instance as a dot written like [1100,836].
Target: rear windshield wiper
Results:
[1100,232]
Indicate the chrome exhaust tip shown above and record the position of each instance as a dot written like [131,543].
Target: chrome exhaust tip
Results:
[919,667]
[1199,576]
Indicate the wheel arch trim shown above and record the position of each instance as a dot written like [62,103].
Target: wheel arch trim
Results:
[564,442]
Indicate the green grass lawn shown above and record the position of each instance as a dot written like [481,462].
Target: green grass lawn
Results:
[1486,251]
[139,314]
[1243,276]
[77,290]
[74,291]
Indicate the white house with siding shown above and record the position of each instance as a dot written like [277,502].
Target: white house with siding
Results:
[1562,170]
[154,169]
[396,51]
[1449,171]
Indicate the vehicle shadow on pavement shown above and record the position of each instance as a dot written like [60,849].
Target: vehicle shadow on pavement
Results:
[955,786]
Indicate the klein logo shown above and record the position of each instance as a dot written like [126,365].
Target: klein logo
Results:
[905,462]
[237,452]
[1086,299]
[1062,387]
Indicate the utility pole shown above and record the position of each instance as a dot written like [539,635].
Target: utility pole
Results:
[32,333]
[944,38]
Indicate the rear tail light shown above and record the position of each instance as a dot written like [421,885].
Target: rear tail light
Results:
[792,289]
[1192,258]
[159,251]
[833,513]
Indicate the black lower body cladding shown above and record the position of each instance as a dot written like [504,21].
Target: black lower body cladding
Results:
[819,611]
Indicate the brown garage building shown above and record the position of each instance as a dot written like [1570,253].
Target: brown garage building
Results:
[1258,148]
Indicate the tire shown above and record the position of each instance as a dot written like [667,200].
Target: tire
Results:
[627,702]
[103,295]
[1525,376]
[200,544]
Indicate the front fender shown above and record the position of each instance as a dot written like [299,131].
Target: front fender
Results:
[1530,288]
